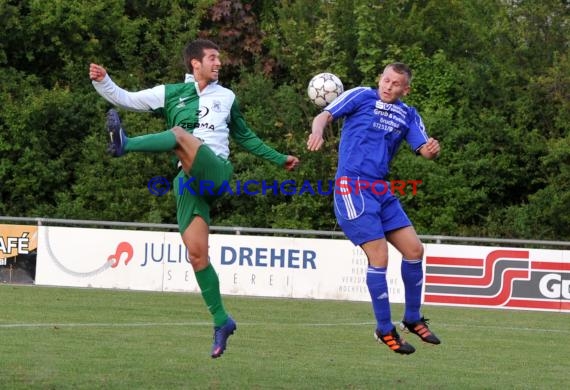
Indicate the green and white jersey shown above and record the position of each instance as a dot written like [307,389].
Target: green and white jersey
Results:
[212,114]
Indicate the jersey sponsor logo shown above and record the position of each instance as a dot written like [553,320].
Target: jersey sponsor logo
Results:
[203,111]
[380,105]
[389,127]
[504,278]
[197,125]
[391,118]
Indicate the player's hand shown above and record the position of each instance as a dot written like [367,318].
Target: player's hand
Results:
[97,72]
[431,149]
[291,163]
[315,142]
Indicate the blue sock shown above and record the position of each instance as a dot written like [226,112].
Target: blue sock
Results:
[378,288]
[413,277]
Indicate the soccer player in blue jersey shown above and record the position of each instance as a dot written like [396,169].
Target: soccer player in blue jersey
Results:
[201,116]
[376,122]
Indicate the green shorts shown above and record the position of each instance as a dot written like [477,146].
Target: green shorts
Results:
[196,192]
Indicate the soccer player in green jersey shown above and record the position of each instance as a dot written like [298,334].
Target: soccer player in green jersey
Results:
[201,116]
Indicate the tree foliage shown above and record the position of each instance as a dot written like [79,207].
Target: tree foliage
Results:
[491,80]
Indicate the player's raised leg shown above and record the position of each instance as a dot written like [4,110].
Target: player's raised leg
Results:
[187,147]
[120,143]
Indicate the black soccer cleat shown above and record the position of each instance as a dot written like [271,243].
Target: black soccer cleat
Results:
[117,135]
[420,328]
[393,340]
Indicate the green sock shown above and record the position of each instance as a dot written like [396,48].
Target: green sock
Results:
[210,287]
[158,142]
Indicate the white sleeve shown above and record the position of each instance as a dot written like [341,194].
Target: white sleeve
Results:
[142,101]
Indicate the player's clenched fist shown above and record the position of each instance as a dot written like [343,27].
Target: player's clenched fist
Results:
[97,72]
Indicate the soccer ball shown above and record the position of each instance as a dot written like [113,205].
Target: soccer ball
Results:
[324,88]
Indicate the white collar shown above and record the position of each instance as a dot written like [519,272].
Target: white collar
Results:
[189,78]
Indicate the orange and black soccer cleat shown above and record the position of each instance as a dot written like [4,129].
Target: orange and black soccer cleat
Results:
[394,342]
[420,328]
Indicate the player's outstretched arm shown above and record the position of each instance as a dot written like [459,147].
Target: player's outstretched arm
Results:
[316,141]
[145,100]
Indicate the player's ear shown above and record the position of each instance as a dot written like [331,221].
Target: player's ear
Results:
[194,63]
[407,90]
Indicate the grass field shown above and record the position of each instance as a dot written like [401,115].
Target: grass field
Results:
[61,338]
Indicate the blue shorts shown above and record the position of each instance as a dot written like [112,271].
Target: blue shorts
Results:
[366,214]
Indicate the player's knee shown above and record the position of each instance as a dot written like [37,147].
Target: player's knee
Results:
[183,137]
[199,261]
[416,253]
[179,133]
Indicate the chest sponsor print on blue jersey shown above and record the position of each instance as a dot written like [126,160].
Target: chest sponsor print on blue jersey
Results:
[390,118]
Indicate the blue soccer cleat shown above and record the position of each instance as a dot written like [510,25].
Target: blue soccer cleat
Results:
[117,135]
[221,335]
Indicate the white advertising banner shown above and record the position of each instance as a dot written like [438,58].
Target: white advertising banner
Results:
[100,258]
[247,265]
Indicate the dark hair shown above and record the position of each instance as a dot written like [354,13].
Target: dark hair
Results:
[195,51]
[401,68]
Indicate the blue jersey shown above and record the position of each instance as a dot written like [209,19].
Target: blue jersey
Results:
[373,131]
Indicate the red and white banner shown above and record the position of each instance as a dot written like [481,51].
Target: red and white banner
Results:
[537,279]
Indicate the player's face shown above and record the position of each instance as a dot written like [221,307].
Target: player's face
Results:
[392,86]
[209,67]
